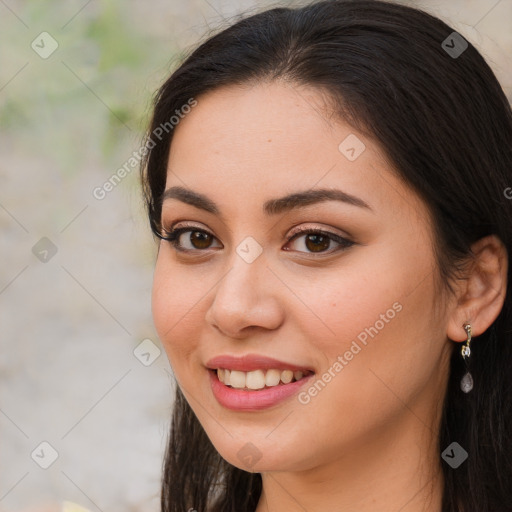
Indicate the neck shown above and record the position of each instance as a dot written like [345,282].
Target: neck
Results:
[390,472]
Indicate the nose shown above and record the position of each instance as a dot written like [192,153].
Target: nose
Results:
[246,299]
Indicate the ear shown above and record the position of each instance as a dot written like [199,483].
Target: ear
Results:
[481,293]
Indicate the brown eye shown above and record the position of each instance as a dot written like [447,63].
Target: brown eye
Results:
[189,239]
[315,241]
[200,239]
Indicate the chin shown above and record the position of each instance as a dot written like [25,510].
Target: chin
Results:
[255,454]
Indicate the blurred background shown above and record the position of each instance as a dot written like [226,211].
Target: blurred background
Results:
[85,386]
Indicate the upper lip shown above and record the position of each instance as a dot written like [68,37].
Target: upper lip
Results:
[250,362]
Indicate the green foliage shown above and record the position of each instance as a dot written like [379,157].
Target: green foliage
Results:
[86,100]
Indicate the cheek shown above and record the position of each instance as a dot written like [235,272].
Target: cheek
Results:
[348,305]
[176,308]
[379,358]
[387,289]
[375,317]
[361,311]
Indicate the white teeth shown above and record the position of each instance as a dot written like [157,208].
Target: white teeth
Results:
[286,376]
[237,379]
[272,377]
[255,379]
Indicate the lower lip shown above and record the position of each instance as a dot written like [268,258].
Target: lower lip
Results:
[240,400]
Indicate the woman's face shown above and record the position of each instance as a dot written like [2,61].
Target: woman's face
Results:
[352,308]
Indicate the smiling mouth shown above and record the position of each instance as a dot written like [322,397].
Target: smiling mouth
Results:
[258,379]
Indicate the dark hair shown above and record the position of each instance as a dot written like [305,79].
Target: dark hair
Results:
[445,124]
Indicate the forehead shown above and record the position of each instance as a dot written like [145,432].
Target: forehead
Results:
[245,144]
[254,116]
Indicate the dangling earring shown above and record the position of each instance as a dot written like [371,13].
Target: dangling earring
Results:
[466,383]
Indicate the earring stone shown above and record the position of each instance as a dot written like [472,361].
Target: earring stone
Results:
[466,383]
[466,351]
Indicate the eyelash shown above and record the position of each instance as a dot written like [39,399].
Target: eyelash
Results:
[172,236]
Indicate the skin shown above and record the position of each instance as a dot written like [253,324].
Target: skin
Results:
[368,439]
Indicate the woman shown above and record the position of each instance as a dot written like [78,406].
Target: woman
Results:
[329,185]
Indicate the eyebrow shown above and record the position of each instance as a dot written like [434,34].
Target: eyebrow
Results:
[272,206]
